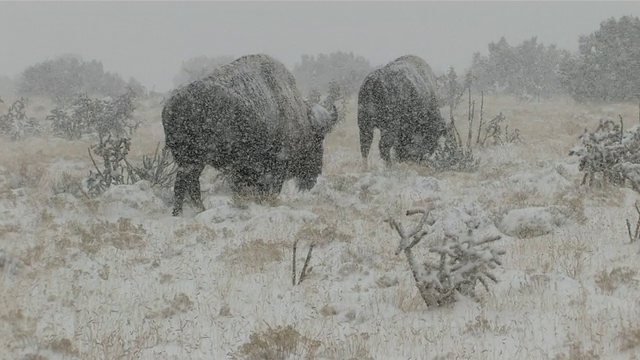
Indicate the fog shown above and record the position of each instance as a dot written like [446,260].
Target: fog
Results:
[150,40]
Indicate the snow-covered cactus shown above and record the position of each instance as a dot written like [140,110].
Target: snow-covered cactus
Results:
[463,261]
[16,124]
[610,155]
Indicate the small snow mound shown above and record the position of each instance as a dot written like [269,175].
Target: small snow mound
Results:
[131,199]
[459,219]
[218,214]
[533,221]
[546,183]
[375,184]
[422,188]
[281,213]
[258,215]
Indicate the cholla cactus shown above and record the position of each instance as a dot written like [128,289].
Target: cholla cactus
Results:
[610,155]
[16,124]
[464,261]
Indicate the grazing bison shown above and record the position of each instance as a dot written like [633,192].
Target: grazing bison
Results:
[248,120]
[399,99]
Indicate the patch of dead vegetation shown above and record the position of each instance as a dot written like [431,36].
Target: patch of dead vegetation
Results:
[204,234]
[281,342]
[481,325]
[180,303]
[122,234]
[629,336]
[610,281]
[253,256]
[576,350]
[353,347]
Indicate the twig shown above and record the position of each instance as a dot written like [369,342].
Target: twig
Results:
[634,236]
[295,245]
[481,117]
[303,273]
[469,110]
[471,116]
[94,163]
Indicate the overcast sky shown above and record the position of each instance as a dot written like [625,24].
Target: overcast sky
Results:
[149,40]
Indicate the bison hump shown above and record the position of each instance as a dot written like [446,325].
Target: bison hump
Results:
[267,92]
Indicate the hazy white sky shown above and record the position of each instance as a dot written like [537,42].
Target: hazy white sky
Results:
[149,40]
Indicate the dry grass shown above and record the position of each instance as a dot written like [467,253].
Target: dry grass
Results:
[253,256]
[139,285]
[610,281]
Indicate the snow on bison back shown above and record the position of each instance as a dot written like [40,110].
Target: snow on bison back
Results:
[248,120]
[400,100]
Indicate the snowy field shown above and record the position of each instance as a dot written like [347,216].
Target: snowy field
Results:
[117,277]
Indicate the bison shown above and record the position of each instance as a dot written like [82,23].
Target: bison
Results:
[248,120]
[400,100]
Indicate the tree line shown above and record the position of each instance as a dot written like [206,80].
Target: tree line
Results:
[605,68]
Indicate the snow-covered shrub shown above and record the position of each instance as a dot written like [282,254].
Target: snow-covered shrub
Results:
[610,155]
[462,261]
[116,170]
[451,156]
[16,124]
[102,116]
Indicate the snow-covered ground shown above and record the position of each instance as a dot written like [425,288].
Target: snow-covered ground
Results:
[118,277]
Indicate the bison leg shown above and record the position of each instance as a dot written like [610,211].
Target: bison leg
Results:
[387,140]
[185,182]
[193,186]
[366,138]
[178,191]
[402,147]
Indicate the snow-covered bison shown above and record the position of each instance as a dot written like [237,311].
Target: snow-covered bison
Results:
[400,100]
[248,120]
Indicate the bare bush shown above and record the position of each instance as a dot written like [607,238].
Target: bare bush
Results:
[451,154]
[493,131]
[463,261]
[116,169]
[278,343]
[159,169]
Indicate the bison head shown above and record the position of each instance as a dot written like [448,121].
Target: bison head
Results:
[308,164]
[419,140]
